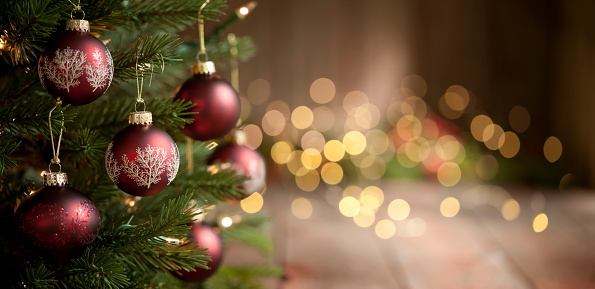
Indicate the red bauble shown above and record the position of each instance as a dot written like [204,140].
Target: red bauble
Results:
[58,219]
[76,67]
[216,102]
[245,162]
[142,159]
[206,237]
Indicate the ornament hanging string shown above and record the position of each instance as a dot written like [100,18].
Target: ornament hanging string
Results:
[56,151]
[201,34]
[139,86]
[77,7]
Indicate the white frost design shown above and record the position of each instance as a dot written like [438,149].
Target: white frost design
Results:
[173,164]
[147,167]
[98,72]
[111,164]
[66,67]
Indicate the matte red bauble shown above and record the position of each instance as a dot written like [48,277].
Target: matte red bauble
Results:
[142,159]
[76,67]
[206,237]
[217,104]
[58,219]
[244,161]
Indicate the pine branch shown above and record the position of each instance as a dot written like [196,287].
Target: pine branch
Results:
[8,145]
[28,25]
[208,188]
[37,277]
[241,277]
[252,230]
[153,52]
[29,115]
[84,148]
[176,17]
[96,268]
[219,51]
[148,246]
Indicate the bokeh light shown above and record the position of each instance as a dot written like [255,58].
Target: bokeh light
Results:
[281,152]
[519,118]
[540,223]
[349,206]
[377,142]
[353,100]
[449,174]
[450,207]
[385,229]
[334,150]
[409,127]
[302,117]
[311,159]
[301,208]
[415,84]
[398,209]
[259,90]
[354,142]
[365,217]
[509,144]
[457,98]
[313,140]
[253,136]
[510,210]
[331,173]
[280,106]
[273,122]
[491,136]
[478,126]
[308,181]
[552,149]
[252,204]
[322,90]
[352,191]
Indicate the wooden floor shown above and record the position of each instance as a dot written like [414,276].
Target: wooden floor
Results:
[477,248]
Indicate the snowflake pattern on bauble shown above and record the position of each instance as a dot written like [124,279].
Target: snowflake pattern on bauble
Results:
[99,71]
[65,68]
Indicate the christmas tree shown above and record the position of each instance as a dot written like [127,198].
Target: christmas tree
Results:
[137,239]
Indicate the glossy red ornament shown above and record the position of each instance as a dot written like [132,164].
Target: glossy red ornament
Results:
[244,161]
[206,237]
[216,102]
[76,67]
[142,159]
[58,219]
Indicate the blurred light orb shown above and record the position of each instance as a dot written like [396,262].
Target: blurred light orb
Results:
[552,149]
[491,135]
[385,229]
[311,159]
[352,191]
[449,174]
[273,122]
[353,100]
[450,207]
[509,144]
[253,203]
[365,217]
[331,173]
[510,209]
[519,118]
[349,206]
[415,84]
[486,167]
[253,136]
[313,140]
[398,209]
[409,127]
[334,150]
[281,152]
[324,119]
[478,126]
[302,117]
[354,142]
[322,90]
[308,181]
[301,208]
[281,106]
[540,223]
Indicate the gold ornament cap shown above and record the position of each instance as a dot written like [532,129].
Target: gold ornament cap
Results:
[203,68]
[78,25]
[55,179]
[140,117]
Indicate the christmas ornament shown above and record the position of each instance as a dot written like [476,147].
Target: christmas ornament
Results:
[58,219]
[76,67]
[206,237]
[216,103]
[142,159]
[245,161]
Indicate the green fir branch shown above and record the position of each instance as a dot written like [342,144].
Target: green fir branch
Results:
[27,25]
[152,51]
[241,277]
[219,52]
[96,268]
[8,145]
[148,246]
[84,148]
[252,230]
[170,17]
[29,115]
[208,188]
[37,277]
